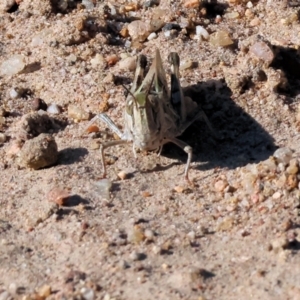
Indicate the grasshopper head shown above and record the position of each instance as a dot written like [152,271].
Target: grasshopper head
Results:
[145,105]
[142,117]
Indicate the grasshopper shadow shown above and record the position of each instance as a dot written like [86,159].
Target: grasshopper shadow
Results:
[241,139]
[68,156]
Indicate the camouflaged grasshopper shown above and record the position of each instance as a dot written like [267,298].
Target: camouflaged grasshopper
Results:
[155,115]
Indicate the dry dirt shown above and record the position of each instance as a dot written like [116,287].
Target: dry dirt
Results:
[234,235]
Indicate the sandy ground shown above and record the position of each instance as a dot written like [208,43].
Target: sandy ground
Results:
[233,235]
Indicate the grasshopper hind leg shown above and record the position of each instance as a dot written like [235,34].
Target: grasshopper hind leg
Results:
[177,97]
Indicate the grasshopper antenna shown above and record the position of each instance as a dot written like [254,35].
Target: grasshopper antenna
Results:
[128,91]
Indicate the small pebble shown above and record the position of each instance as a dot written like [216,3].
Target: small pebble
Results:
[276,195]
[220,38]
[146,194]
[292,170]
[72,58]
[152,36]
[135,256]
[202,32]
[39,152]
[58,195]
[94,145]
[54,109]
[218,19]
[179,189]
[191,235]
[2,138]
[112,59]
[262,51]
[139,30]
[249,4]
[283,155]
[167,34]
[156,249]
[124,32]
[122,175]
[127,64]
[98,61]
[254,22]
[77,113]
[109,78]
[92,128]
[220,185]
[14,94]
[281,167]
[149,234]
[225,224]
[89,5]
[165,266]
[14,65]
[127,44]
[38,104]
[87,293]
[232,15]
[292,182]
[187,65]
[136,235]
[44,291]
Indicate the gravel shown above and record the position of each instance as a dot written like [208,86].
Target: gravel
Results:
[232,234]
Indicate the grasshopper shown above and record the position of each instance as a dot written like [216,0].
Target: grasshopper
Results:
[154,114]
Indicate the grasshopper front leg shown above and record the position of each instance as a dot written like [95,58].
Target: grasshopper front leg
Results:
[111,125]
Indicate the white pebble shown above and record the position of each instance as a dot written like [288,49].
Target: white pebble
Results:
[88,4]
[149,234]
[53,109]
[167,33]
[14,65]
[87,294]
[156,249]
[202,32]
[127,44]
[249,4]
[283,155]
[13,93]
[152,36]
